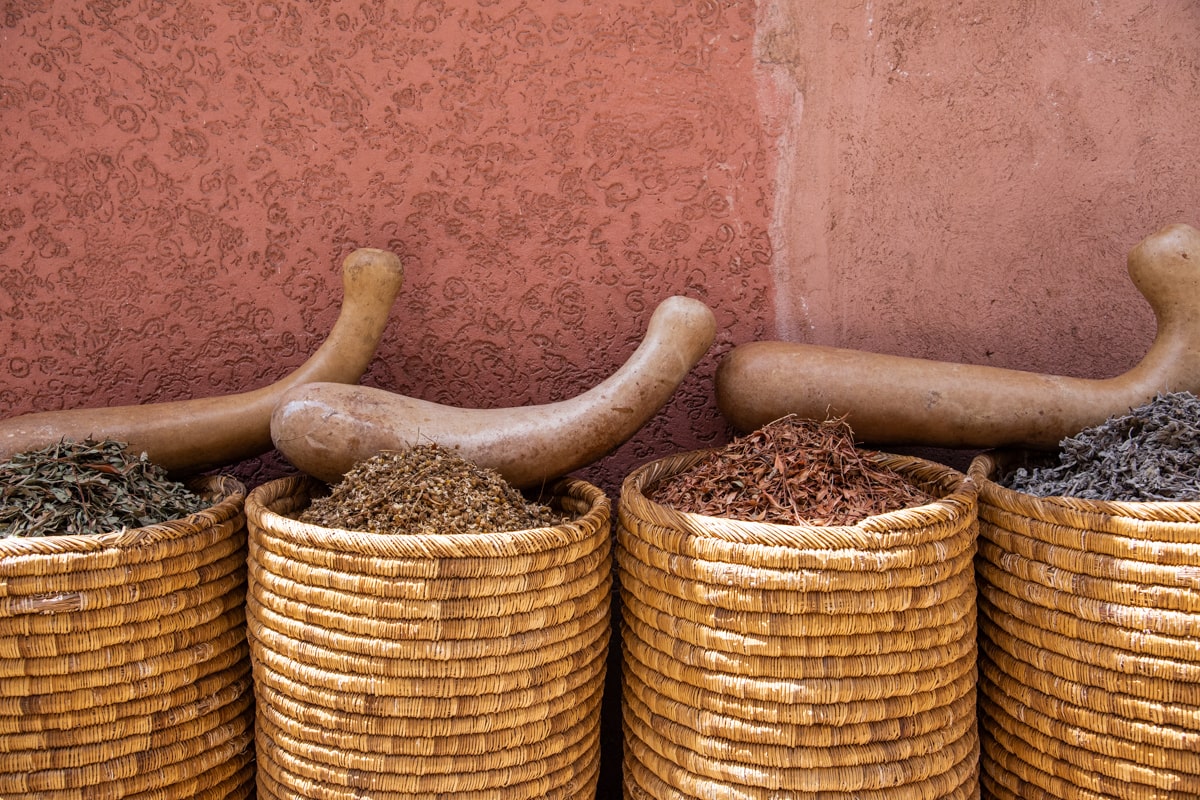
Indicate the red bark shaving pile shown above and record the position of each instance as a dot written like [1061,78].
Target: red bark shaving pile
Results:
[790,472]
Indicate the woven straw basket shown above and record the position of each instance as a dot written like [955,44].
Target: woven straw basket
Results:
[766,661]
[124,669]
[1090,645]
[403,666]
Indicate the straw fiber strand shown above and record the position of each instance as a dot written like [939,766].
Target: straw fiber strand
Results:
[802,755]
[580,560]
[1095,770]
[815,690]
[1090,644]
[791,667]
[732,574]
[801,646]
[998,702]
[1121,591]
[275,781]
[404,666]
[1112,705]
[124,668]
[763,661]
[433,657]
[1057,775]
[805,733]
[406,737]
[1164,654]
[166,643]
[134,724]
[774,712]
[1107,616]
[669,780]
[67,644]
[436,621]
[767,624]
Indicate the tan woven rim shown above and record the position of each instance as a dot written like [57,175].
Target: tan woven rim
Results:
[731,574]
[1184,757]
[745,596]
[885,533]
[1157,678]
[1110,705]
[409,619]
[1155,532]
[1018,755]
[43,556]
[500,552]
[644,763]
[313,571]
[786,733]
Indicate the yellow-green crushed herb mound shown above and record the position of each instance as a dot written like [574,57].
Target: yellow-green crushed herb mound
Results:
[426,490]
[88,487]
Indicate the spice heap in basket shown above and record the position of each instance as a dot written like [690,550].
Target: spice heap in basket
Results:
[820,656]
[1089,582]
[423,630]
[124,669]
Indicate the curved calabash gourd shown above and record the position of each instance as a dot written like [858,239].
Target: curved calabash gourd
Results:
[186,436]
[898,400]
[325,429]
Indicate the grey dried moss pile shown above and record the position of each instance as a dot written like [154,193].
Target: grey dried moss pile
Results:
[1149,454]
[425,490]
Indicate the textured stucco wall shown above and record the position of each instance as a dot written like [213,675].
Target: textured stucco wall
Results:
[180,181]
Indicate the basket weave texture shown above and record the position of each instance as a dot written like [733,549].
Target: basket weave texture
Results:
[765,661]
[1089,644]
[124,669]
[409,666]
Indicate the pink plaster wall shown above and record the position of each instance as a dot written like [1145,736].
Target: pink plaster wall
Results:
[963,181]
[179,182]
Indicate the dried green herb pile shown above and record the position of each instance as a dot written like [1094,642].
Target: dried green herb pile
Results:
[1151,453]
[425,490]
[791,471]
[85,488]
